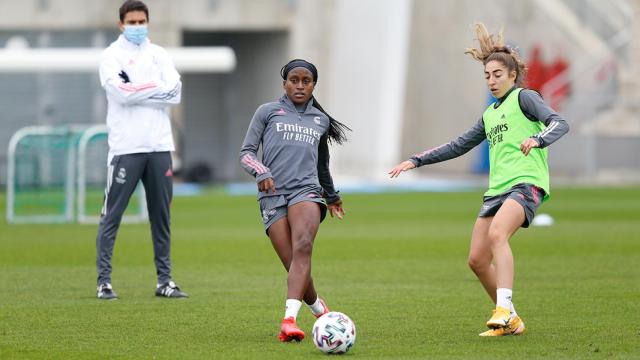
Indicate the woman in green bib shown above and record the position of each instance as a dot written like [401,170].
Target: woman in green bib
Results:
[518,127]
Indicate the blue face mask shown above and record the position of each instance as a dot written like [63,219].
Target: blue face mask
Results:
[135,33]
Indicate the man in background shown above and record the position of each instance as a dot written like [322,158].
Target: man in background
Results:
[140,82]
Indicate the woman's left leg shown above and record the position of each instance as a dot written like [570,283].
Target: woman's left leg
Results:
[280,235]
[480,256]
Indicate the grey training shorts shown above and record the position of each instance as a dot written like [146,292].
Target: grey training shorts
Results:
[273,208]
[527,195]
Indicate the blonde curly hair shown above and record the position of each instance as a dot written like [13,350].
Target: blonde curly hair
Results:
[493,48]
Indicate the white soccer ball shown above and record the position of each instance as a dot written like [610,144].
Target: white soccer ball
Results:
[542,220]
[334,333]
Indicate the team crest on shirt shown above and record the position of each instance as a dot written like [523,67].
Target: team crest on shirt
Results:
[317,120]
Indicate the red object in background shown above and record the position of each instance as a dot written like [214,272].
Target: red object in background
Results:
[540,74]
[559,68]
[537,73]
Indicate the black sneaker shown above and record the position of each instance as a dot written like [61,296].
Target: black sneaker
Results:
[105,292]
[170,290]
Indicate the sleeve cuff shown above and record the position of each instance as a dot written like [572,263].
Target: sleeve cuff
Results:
[540,141]
[415,161]
[332,198]
[263,176]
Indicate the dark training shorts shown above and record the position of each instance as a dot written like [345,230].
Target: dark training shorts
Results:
[527,195]
[273,208]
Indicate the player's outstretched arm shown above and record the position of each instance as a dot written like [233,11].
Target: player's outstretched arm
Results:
[460,146]
[403,166]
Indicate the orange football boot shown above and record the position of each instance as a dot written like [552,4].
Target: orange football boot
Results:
[289,330]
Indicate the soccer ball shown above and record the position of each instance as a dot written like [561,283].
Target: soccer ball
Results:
[334,333]
[542,220]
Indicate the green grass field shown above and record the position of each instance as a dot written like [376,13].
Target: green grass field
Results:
[396,265]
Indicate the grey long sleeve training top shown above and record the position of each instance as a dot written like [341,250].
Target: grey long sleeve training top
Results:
[295,152]
[532,106]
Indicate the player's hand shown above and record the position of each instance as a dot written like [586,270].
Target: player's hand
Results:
[336,209]
[528,144]
[403,166]
[266,185]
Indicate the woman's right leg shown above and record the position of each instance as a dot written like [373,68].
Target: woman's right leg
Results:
[280,235]
[480,256]
[480,261]
[293,242]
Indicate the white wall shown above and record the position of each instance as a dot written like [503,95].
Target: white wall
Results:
[367,83]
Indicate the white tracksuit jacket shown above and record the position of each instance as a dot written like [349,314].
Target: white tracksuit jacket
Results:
[137,117]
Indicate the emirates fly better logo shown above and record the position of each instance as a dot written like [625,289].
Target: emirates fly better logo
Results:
[296,132]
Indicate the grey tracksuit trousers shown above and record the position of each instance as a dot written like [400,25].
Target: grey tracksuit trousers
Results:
[124,173]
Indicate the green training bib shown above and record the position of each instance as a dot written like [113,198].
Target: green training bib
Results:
[506,128]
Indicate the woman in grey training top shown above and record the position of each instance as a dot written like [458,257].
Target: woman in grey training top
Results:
[294,182]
